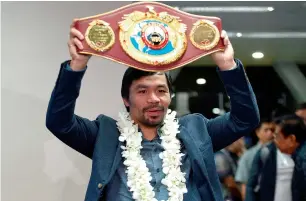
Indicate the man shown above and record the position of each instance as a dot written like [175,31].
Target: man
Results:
[301,111]
[226,165]
[265,135]
[146,154]
[279,169]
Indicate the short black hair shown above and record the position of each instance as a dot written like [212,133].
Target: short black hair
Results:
[263,121]
[132,74]
[278,120]
[293,125]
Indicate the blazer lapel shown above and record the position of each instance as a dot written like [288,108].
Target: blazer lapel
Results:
[110,154]
[117,159]
[192,149]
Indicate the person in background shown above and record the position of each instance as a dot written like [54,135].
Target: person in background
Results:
[264,132]
[279,170]
[226,164]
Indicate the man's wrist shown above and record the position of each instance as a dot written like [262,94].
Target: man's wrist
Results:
[77,66]
[228,65]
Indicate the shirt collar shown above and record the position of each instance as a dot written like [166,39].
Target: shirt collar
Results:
[159,131]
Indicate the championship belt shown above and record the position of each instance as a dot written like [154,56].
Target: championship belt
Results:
[150,36]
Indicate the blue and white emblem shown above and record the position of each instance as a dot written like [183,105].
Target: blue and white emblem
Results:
[153,38]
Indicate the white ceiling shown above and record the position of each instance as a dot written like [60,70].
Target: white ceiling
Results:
[279,34]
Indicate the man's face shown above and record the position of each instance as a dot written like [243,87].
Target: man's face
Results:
[283,143]
[265,132]
[149,100]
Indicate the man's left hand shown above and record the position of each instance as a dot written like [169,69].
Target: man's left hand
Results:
[224,59]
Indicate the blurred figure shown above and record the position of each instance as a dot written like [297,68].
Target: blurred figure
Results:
[279,170]
[264,132]
[290,137]
[226,165]
[300,111]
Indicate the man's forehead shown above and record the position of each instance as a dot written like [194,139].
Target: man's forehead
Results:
[152,79]
[150,85]
[266,125]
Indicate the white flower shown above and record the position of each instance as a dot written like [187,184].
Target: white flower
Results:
[138,175]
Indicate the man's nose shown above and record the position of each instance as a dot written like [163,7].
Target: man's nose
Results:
[271,131]
[153,98]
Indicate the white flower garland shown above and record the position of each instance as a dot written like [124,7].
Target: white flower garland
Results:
[138,175]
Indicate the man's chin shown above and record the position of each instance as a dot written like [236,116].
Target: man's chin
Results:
[153,121]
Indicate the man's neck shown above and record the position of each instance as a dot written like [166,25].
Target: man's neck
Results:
[264,142]
[149,133]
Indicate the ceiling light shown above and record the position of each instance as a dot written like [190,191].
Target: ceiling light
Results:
[267,34]
[257,55]
[201,81]
[243,9]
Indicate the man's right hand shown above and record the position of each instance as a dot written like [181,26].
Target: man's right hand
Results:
[78,61]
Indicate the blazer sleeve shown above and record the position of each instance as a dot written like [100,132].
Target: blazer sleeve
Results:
[77,132]
[244,113]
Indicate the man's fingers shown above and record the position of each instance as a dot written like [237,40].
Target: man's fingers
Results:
[225,38]
[72,50]
[226,41]
[73,44]
[75,33]
[223,34]
[78,43]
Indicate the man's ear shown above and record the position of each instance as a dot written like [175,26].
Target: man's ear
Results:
[126,102]
[257,131]
[292,138]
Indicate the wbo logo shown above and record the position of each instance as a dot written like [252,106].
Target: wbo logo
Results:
[153,38]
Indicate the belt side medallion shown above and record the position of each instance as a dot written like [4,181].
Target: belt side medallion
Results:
[204,35]
[100,36]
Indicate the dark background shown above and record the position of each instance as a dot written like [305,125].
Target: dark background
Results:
[270,91]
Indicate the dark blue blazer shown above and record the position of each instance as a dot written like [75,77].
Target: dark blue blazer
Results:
[98,139]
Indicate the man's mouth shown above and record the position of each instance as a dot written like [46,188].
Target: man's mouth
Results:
[155,111]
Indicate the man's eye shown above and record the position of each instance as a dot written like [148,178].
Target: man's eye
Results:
[142,91]
[162,91]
